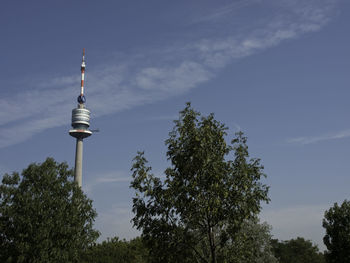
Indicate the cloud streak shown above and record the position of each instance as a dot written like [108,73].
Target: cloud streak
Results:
[320,138]
[146,77]
[224,11]
[108,178]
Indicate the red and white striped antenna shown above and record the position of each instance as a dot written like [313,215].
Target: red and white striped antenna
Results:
[81,97]
[82,73]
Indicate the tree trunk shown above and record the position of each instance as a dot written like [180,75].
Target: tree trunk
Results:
[212,245]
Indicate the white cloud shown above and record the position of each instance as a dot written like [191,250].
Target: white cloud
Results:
[172,79]
[147,77]
[320,138]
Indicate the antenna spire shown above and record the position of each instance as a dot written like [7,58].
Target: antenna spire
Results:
[81,98]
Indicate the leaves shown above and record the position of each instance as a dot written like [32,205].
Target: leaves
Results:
[44,216]
[297,250]
[206,196]
[337,239]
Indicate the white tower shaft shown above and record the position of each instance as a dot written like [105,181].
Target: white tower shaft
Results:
[78,170]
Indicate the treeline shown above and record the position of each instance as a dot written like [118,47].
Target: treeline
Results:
[297,250]
[115,250]
[205,210]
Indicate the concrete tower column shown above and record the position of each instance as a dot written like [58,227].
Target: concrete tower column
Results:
[78,170]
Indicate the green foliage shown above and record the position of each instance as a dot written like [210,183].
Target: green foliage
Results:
[251,245]
[337,239]
[297,250]
[44,216]
[116,251]
[211,188]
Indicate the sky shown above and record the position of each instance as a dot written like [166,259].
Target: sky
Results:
[278,70]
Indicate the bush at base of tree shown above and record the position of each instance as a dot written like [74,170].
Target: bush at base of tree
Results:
[44,215]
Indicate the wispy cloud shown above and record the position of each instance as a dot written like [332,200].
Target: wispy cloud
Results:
[320,138]
[117,177]
[163,118]
[149,76]
[109,178]
[221,12]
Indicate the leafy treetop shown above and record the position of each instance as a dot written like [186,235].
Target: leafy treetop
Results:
[210,189]
[44,215]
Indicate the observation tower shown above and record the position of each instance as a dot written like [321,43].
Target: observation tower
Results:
[80,127]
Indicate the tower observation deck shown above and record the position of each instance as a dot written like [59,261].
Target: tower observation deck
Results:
[80,127]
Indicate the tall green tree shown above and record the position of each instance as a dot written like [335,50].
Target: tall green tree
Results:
[337,239]
[209,190]
[297,250]
[44,215]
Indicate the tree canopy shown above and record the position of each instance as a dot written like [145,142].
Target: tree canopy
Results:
[44,215]
[210,189]
[297,250]
[337,239]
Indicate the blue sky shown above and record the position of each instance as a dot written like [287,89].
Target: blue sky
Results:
[277,69]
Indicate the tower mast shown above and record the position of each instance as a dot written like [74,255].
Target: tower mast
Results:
[80,126]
